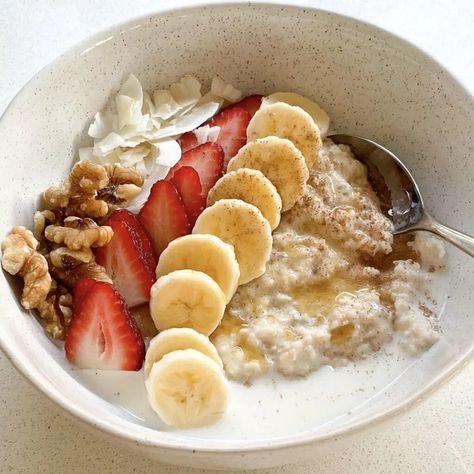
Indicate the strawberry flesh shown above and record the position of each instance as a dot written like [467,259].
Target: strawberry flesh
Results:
[103,334]
[186,181]
[187,141]
[129,262]
[233,123]
[163,215]
[251,104]
[81,290]
[207,160]
[132,220]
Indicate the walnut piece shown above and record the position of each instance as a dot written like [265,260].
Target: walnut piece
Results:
[20,257]
[79,233]
[68,259]
[124,184]
[56,311]
[70,274]
[78,195]
[39,222]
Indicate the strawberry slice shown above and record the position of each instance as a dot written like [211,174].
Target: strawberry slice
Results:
[129,261]
[186,181]
[163,215]
[81,290]
[207,160]
[132,220]
[187,141]
[233,123]
[102,334]
[251,104]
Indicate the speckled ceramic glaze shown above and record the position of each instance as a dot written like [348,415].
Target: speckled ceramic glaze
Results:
[371,83]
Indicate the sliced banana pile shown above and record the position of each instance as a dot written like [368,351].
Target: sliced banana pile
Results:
[203,253]
[231,243]
[185,381]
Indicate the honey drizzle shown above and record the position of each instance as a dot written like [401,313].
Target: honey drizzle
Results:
[317,300]
[232,325]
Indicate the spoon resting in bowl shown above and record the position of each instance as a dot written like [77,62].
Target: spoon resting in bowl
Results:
[399,194]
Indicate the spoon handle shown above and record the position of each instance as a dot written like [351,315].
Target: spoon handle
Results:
[459,239]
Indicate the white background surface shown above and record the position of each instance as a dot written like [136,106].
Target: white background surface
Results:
[436,437]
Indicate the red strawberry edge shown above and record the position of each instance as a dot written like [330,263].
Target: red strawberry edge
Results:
[251,104]
[129,262]
[188,184]
[132,220]
[163,215]
[102,333]
[207,159]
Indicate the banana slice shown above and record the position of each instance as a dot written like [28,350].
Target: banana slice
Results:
[178,339]
[320,117]
[242,225]
[286,121]
[187,389]
[187,298]
[204,253]
[253,187]
[280,161]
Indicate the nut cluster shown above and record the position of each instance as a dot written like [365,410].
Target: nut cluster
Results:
[59,250]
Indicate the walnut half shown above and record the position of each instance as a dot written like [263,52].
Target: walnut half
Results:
[124,184]
[20,257]
[78,195]
[79,233]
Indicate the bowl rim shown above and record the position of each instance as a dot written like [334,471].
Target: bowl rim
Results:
[169,441]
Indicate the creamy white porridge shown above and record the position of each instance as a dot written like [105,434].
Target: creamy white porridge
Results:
[337,285]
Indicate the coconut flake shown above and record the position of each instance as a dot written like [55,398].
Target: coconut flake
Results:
[129,102]
[131,156]
[168,152]
[162,156]
[186,123]
[223,89]
[112,141]
[186,91]
[206,134]
[102,125]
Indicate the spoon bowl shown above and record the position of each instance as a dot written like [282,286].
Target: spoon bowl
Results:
[398,192]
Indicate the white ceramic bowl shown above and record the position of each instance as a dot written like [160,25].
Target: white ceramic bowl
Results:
[371,83]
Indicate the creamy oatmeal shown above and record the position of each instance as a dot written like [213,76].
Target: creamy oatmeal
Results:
[337,285]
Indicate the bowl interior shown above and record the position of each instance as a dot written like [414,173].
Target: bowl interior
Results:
[371,83]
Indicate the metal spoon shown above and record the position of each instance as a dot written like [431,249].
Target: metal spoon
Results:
[399,193]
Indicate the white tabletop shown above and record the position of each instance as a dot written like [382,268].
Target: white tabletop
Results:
[35,436]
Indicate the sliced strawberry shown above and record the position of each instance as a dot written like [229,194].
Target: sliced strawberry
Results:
[232,137]
[103,334]
[207,160]
[187,141]
[186,181]
[129,262]
[81,289]
[251,104]
[163,215]
[132,220]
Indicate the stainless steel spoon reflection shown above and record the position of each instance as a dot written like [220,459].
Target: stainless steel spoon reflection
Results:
[399,194]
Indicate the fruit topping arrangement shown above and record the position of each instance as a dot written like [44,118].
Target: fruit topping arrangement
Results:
[170,209]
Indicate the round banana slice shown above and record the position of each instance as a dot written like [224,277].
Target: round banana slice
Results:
[286,121]
[280,161]
[187,298]
[175,339]
[187,389]
[242,225]
[251,186]
[203,253]
[320,117]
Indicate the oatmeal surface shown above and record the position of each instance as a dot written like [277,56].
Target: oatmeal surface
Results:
[337,285]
